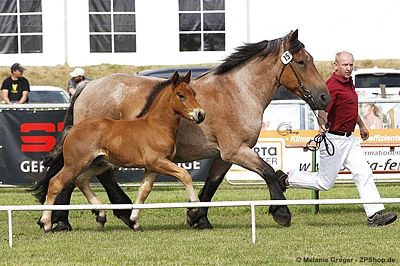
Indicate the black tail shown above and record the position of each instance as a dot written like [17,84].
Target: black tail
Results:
[55,159]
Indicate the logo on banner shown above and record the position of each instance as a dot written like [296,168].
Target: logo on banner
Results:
[33,139]
[270,150]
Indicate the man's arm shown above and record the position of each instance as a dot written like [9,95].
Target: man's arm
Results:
[24,97]
[322,121]
[4,95]
[363,129]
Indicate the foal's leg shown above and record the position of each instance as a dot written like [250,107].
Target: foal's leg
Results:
[82,182]
[166,167]
[143,193]
[249,159]
[56,185]
[197,217]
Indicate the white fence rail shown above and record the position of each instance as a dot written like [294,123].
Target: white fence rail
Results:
[251,204]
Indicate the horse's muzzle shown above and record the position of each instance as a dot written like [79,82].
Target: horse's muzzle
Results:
[198,115]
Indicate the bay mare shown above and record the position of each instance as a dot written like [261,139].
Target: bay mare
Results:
[234,95]
[97,144]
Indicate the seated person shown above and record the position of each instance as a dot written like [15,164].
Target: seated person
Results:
[15,88]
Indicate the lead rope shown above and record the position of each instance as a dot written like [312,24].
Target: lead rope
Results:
[314,144]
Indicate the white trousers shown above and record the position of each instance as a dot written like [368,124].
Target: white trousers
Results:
[348,153]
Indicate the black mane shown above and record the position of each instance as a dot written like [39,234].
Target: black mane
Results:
[152,96]
[250,50]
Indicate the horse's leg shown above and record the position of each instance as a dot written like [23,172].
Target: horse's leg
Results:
[83,184]
[144,191]
[250,160]
[115,194]
[56,185]
[197,217]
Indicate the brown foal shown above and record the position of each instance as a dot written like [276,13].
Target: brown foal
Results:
[97,144]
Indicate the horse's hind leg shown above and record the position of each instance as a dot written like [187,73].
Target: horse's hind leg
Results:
[197,217]
[144,191]
[56,185]
[116,195]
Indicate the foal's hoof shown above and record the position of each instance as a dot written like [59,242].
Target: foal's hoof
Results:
[40,223]
[62,226]
[135,226]
[50,230]
[281,215]
[101,220]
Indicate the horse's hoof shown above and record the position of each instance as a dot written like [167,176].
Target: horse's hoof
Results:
[101,220]
[62,226]
[124,216]
[202,224]
[281,215]
[193,216]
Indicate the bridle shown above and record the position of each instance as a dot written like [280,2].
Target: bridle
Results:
[313,144]
[287,59]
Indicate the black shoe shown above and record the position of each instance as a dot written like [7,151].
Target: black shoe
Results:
[380,219]
[281,177]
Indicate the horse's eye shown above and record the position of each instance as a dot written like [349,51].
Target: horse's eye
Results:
[301,63]
[181,96]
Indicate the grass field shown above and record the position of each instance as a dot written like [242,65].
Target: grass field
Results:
[338,233]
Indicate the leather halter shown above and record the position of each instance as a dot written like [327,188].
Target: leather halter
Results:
[287,59]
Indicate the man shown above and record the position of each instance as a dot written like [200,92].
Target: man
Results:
[342,116]
[15,88]
[77,76]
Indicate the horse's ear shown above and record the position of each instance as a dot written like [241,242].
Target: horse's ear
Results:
[174,79]
[294,35]
[187,77]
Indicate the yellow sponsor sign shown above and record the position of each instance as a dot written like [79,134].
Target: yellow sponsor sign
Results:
[299,138]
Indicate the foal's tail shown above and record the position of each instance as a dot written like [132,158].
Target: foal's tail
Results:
[54,161]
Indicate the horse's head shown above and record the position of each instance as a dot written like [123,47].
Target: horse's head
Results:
[300,75]
[183,98]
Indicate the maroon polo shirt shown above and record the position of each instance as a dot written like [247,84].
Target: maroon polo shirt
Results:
[343,106]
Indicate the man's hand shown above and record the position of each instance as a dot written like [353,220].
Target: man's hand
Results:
[323,129]
[364,133]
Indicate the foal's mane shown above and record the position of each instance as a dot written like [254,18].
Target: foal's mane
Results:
[153,95]
[250,50]
[159,87]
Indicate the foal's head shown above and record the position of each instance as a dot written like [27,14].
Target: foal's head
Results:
[183,98]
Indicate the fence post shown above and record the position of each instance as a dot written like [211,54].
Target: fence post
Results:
[10,233]
[314,193]
[253,222]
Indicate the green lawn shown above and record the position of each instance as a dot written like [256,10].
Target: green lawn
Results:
[337,233]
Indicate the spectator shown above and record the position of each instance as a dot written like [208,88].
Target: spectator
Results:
[77,76]
[15,88]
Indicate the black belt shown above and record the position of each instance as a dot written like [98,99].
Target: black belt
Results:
[340,133]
